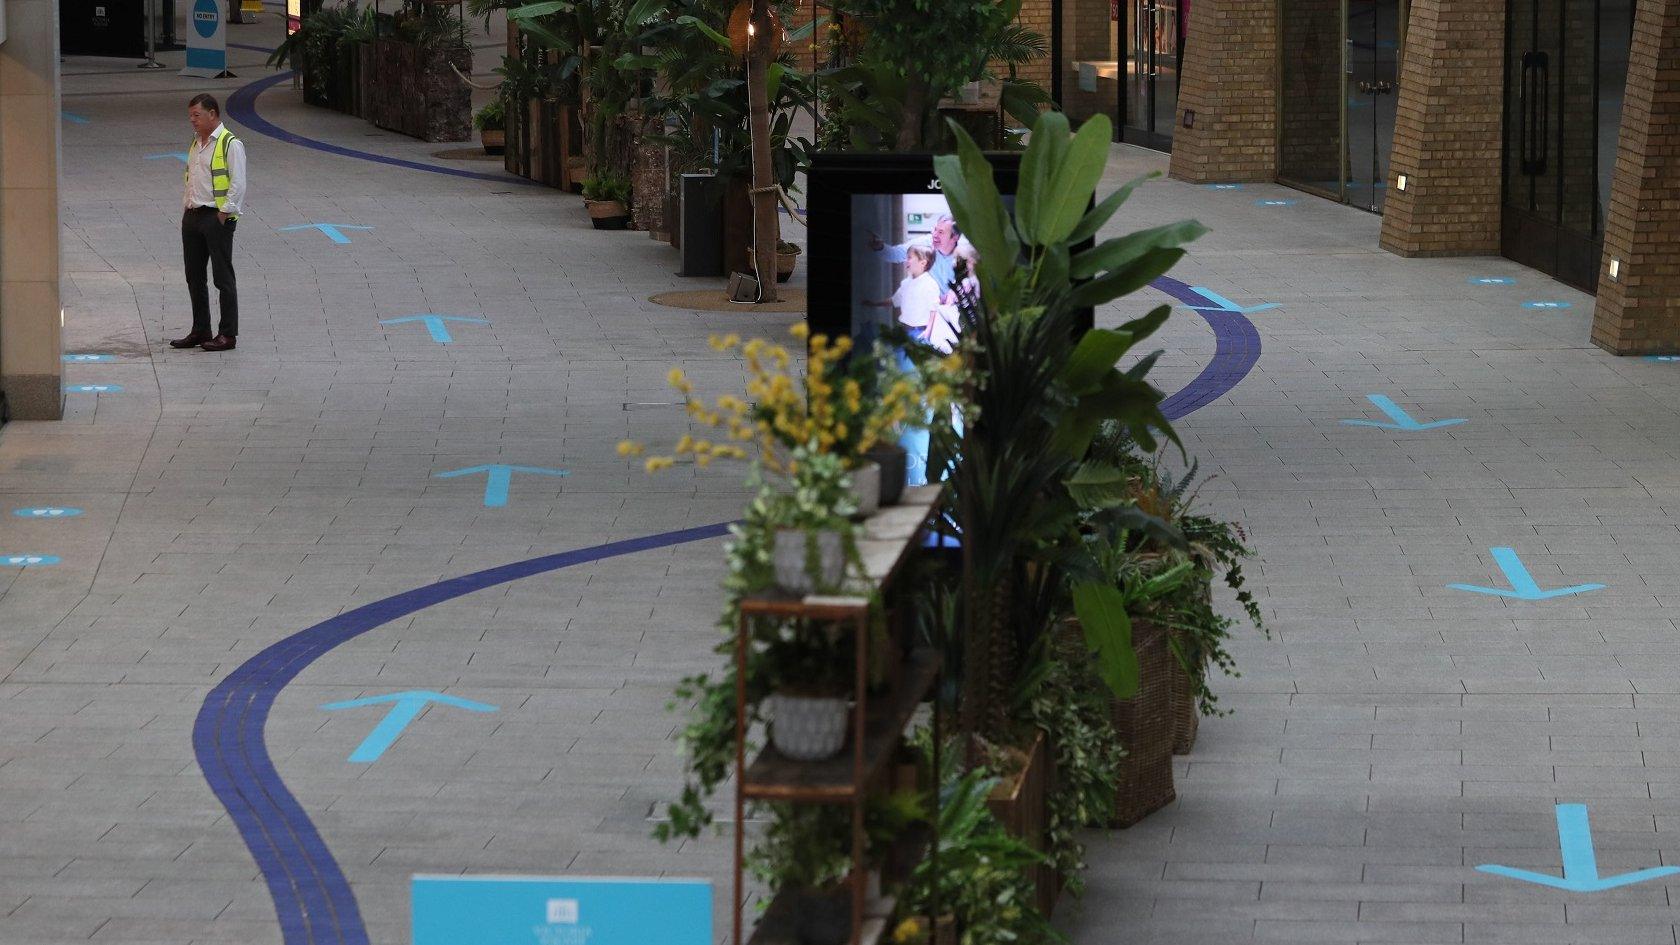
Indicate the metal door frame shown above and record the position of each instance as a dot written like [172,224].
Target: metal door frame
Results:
[1148,135]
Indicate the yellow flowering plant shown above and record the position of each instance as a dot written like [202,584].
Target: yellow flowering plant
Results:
[841,404]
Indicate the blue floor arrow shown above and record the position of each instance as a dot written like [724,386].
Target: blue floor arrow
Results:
[405,708]
[89,358]
[1400,420]
[177,155]
[1522,583]
[498,477]
[1580,864]
[1222,304]
[48,512]
[332,230]
[73,118]
[93,388]
[435,324]
[27,561]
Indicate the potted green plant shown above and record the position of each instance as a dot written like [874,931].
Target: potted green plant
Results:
[491,122]
[814,533]
[802,857]
[787,259]
[607,198]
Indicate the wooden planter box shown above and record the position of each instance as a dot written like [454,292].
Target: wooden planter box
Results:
[416,93]
[544,142]
[1018,802]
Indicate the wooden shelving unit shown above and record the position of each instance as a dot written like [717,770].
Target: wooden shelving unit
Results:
[887,541]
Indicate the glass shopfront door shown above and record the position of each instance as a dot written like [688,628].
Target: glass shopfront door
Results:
[1337,101]
[1122,58]
[1565,71]
[1154,55]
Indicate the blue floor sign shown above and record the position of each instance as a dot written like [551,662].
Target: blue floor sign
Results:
[1580,864]
[1220,303]
[27,561]
[89,358]
[1273,202]
[538,910]
[405,708]
[1398,418]
[435,324]
[47,512]
[1522,583]
[1492,280]
[1546,305]
[93,388]
[333,231]
[498,477]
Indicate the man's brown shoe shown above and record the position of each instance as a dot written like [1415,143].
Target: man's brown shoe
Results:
[220,343]
[192,340]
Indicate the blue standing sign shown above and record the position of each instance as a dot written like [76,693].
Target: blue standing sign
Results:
[555,910]
[206,41]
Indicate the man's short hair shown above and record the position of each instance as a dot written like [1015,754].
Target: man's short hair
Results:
[205,101]
[956,230]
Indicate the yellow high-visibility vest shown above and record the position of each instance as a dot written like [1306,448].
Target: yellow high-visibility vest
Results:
[218,170]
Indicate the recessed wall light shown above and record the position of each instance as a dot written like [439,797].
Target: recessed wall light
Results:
[1615,269]
[1401,183]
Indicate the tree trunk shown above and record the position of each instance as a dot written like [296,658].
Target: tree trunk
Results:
[765,224]
[915,105]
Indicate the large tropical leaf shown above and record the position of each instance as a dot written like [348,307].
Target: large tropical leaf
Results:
[965,178]
[1112,285]
[1094,357]
[1122,251]
[1101,608]
[1099,485]
[1039,170]
[1098,215]
[1073,181]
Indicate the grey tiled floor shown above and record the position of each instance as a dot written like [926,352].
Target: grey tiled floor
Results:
[1392,734]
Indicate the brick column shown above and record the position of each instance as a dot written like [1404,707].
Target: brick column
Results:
[30,352]
[1447,133]
[1228,93]
[1639,311]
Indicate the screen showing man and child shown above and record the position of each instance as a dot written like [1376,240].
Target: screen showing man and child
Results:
[910,265]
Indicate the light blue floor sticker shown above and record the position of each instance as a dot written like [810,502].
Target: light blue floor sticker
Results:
[1220,303]
[27,561]
[1546,305]
[1223,186]
[435,324]
[1492,280]
[1580,863]
[47,512]
[73,118]
[333,231]
[89,358]
[1522,583]
[1662,357]
[1398,418]
[1274,202]
[177,155]
[405,708]
[498,477]
[568,910]
[93,388]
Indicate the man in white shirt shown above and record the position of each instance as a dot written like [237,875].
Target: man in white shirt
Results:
[214,197]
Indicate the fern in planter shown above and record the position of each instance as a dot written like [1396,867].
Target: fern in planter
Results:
[492,117]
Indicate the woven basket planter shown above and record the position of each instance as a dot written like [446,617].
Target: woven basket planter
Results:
[1145,726]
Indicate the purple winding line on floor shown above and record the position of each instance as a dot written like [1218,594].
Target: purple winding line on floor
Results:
[312,897]
[1236,349]
[242,107]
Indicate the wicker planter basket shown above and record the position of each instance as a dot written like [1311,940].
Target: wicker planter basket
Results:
[1144,724]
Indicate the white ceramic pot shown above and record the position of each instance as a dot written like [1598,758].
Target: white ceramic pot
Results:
[866,488]
[807,728]
[787,555]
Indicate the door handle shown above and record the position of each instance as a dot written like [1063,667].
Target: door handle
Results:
[1534,112]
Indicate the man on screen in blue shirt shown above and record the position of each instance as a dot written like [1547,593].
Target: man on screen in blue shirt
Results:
[945,239]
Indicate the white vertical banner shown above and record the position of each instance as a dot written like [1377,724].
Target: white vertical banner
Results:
[207,41]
